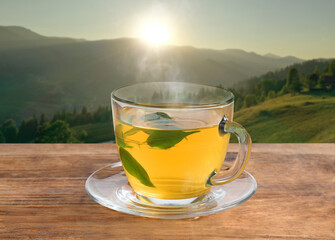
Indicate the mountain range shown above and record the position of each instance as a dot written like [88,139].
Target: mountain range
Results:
[47,74]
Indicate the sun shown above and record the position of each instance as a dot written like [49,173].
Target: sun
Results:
[155,33]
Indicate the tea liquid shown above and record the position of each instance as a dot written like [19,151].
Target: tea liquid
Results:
[170,163]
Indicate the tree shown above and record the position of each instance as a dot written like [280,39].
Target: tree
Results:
[293,81]
[271,94]
[84,110]
[312,81]
[266,85]
[56,132]
[327,82]
[82,135]
[42,119]
[28,130]
[102,114]
[22,131]
[331,68]
[284,89]
[327,79]
[2,137]
[56,117]
[250,100]
[9,130]
[280,83]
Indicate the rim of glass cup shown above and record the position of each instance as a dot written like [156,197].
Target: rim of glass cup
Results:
[224,102]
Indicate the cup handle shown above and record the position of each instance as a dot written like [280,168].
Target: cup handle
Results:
[227,126]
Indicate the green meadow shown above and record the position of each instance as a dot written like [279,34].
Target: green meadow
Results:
[303,118]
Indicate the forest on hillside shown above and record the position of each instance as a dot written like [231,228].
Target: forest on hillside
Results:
[310,76]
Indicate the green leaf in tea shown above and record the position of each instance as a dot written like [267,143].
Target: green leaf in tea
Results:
[119,137]
[167,139]
[159,117]
[131,118]
[132,131]
[134,168]
[155,116]
[163,120]
[135,130]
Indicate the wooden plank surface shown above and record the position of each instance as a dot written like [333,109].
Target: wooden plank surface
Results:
[42,196]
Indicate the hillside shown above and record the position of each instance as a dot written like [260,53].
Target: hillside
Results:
[15,37]
[46,74]
[290,119]
[16,33]
[304,68]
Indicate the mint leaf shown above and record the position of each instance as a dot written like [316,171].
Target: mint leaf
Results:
[167,139]
[121,143]
[132,131]
[159,117]
[135,130]
[134,168]
[131,118]
[163,120]
[163,115]
[119,137]
[155,116]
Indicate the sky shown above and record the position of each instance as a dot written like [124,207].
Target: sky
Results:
[301,28]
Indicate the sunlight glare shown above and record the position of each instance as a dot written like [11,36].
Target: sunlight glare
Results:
[155,33]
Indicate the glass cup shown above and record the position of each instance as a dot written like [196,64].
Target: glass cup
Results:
[172,139]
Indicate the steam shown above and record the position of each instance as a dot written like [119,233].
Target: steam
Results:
[157,67]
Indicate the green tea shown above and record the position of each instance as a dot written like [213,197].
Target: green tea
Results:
[167,160]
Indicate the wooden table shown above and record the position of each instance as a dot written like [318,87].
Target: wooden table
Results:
[42,196]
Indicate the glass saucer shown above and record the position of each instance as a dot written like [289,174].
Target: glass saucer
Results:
[109,187]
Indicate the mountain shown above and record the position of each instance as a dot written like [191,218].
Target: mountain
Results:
[12,37]
[16,33]
[47,74]
[270,55]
